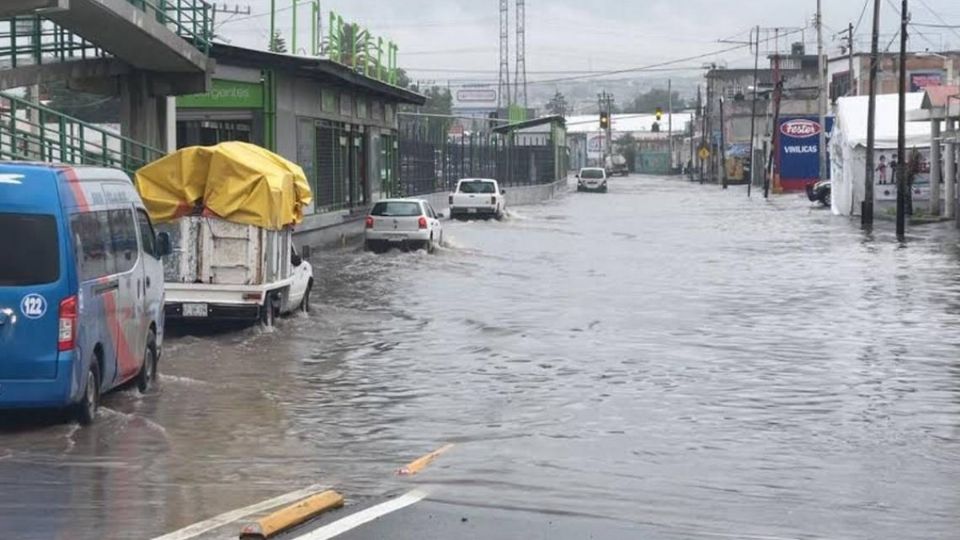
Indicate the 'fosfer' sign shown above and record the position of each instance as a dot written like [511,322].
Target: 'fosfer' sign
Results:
[800,151]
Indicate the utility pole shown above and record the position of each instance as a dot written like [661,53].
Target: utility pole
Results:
[723,146]
[753,111]
[866,209]
[503,90]
[273,22]
[670,119]
[773,167]
[901,128]
[703,129]
[824,92]
[521,77]
[853,87]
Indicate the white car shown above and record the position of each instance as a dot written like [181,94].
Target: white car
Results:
[403,223]
[592,179]
[477,197]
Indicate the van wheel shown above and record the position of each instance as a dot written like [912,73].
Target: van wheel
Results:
[148,373]
[86,410]
[268,312]
[305,303]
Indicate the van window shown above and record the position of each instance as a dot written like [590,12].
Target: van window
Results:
[31,250]
[147,237]
[123,234]
[91,241]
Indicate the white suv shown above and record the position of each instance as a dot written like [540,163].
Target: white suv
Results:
[592,179]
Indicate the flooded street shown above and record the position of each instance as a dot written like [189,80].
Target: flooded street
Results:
[685,362]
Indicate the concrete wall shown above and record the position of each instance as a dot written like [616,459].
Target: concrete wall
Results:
[340,228]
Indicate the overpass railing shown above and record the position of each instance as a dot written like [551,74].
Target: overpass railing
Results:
[32,40]
[190,19]
[32,132]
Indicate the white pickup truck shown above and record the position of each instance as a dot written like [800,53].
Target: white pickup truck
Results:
[223,271]
[477,197]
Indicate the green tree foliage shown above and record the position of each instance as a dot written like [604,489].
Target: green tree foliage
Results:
[647,103]
[439,102]
[278,44]
[92,108]
[627,146]
[558,105]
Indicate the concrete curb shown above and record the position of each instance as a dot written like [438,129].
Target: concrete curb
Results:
[291,516]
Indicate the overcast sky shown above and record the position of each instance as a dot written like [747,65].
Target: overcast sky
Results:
[458,39]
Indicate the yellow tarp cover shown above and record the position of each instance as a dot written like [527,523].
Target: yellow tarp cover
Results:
[236,181]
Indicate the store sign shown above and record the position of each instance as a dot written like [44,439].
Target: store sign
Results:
[225,95]
[800,150]
[800,128]
[479,99]
[919,80]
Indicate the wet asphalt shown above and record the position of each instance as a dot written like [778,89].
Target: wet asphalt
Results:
[667,360]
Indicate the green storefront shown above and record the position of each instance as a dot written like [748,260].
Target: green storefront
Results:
[232,110]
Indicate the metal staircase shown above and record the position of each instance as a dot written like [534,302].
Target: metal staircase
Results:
[31,132]
[30,42]
[35,40]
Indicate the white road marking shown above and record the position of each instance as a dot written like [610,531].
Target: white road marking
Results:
[364,516]
[227,518]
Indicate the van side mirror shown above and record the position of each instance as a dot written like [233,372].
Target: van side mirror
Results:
[503,192]
[163,245]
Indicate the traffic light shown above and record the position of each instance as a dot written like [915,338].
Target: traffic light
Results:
[604,120]
[659,114]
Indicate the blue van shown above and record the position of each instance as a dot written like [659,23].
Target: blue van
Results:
[81,287]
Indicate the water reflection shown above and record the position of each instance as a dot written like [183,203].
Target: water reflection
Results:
[666,355]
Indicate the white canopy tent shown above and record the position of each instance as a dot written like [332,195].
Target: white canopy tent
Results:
[848,146]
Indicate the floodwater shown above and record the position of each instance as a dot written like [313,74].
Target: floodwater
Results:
[668,355]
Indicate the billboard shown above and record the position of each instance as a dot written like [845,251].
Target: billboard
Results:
[885,176]
[475,100]
[799,154]
[919,80]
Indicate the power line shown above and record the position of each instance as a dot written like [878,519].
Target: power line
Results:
[860,19]
[940,18]
[663,64]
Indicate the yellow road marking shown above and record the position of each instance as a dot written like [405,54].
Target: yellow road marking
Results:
[418,465]
[291,516]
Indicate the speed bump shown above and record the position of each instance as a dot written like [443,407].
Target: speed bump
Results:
[291,516]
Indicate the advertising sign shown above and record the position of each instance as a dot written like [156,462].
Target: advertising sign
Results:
[885,175]
[226,94]
[596,143]
[919,80]
[800,151]
[475,100]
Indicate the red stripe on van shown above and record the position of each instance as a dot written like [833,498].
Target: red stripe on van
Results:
[127,364]
[76,188]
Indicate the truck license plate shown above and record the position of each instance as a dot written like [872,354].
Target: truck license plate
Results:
[471,210]
[195,310]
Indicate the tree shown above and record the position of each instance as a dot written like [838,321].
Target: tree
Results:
[648,102]
[92,108]
[627,146]
[439,102]
[278,44]
[557,104]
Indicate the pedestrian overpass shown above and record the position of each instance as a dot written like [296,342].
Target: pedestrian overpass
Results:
[141,50]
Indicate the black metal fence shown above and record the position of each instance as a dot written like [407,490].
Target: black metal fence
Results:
[431,160]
